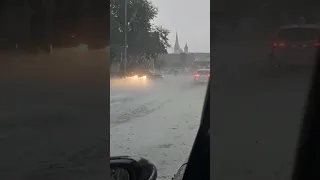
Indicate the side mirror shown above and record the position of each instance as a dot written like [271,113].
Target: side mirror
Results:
[180,173]
[131,168]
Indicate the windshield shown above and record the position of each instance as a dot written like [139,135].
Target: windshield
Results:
[157,117]
[299,34]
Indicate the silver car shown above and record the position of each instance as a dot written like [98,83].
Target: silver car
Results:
[202,76]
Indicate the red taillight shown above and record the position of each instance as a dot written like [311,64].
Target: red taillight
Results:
[316,44]
[278,44]
[196,75]
[208,75]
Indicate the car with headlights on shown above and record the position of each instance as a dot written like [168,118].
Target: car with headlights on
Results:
[145,75]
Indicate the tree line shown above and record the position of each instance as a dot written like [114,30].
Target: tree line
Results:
[60,23]
[145,40]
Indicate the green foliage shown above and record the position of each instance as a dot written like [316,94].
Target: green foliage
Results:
[143,37]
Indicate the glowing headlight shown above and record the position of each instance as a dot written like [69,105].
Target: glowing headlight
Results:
[144,77]
[135,76]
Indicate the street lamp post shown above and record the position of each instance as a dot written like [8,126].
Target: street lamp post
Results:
[125,36]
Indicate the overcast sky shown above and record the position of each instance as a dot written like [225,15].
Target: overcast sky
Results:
[189,18]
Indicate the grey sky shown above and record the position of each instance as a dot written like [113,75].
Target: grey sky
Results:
[189,18]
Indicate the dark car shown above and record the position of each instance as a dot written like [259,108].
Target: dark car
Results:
[156,76]
[295,45]
[145,74]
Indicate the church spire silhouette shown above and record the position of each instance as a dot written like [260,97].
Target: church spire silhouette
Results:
[176,48]
[186,48]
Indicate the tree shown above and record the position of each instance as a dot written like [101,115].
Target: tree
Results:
[81,21]
[143,37]
[56,21]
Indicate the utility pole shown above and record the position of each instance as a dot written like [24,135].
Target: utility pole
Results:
[50,6]
[125,36]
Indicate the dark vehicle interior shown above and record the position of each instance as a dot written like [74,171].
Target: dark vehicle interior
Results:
[307,157]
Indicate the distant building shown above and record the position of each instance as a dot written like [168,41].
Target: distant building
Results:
[201,60]
[186,49]
[201,56]
[191,60]
[176,48]
[174,60]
